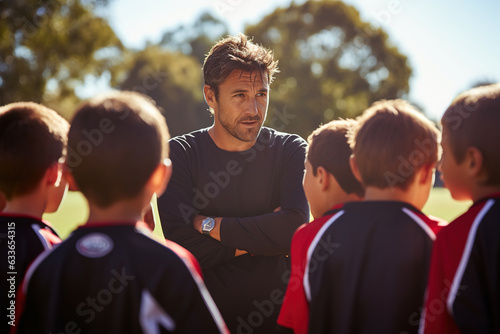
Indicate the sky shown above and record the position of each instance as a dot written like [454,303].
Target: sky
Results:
[451,44]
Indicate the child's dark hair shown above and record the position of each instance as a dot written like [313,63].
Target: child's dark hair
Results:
[473,120]
[329,149]
[32,138]
[115,143]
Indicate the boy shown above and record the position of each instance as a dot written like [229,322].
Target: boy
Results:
[328,182]
[32,142]
[463,288]
[109,276]
[367,266]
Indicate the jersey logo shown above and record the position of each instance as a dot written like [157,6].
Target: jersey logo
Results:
[94,245]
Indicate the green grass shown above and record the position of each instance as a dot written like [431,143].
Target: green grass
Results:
[74,211]
[442,205]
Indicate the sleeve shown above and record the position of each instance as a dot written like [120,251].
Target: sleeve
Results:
[271,234]
[176,214]
[476,308]
[435,318]
[294,313]
[195,311]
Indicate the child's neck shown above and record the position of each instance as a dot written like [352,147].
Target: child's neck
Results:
[122,211]
[31,205]
[481,192]
[390,194]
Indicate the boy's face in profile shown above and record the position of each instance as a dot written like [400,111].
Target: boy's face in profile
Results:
[453,173]
[312,189]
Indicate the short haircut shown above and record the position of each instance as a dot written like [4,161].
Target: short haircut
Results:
[392,141]
[473,120]
[32,138]
[237,53]
[115,142]
[328,148]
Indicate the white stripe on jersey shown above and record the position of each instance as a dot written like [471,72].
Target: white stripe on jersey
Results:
[45,242]
[152,316]
[420,222]
[466,254]
[310,250]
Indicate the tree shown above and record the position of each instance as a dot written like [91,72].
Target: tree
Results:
[49,47]
[170,72]
[195,39]
[173,80]
[332,64]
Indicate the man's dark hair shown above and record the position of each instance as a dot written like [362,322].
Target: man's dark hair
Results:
[237,53]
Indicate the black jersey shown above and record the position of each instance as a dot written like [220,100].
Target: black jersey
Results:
[474,299]
[22,239]
[245,188]
[367,269]
[114,279]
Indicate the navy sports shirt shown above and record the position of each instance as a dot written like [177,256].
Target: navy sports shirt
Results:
[109,278]
[244,188]
[367,269]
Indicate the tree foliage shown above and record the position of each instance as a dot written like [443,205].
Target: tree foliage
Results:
[49,47]
[173,80]
[170,72]
[195,39]
[332,63]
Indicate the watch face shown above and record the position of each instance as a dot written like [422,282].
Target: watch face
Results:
[208,224]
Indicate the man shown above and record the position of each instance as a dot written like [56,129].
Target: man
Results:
[235,197]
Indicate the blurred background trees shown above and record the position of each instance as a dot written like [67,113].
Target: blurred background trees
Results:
[49,48]
[333,64]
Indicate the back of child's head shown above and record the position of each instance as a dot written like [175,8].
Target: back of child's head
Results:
[115,142]
[32,138]
[391,142]
[328,148]
[473,120]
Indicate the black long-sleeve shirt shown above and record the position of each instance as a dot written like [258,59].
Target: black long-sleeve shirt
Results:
[244,188]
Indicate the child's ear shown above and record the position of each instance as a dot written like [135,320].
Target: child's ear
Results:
[72,186]
[427,174]
[474,161]
[209,96]
[160,177]
[53,175]
[323,178]
[354,168]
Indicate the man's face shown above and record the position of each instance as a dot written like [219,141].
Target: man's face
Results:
[241,106]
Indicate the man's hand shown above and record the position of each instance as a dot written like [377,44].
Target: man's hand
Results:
[215,233]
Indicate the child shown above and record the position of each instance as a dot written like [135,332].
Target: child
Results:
[367,266]
[328,182]
[109,276]
[463,288]
[32,142]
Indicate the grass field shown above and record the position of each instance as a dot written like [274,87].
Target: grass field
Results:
[74,211]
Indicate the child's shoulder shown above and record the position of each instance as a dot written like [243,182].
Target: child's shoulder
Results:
[310,229]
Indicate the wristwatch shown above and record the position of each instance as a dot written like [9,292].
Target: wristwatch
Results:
[207,225]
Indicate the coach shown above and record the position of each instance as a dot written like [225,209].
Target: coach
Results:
[236,197]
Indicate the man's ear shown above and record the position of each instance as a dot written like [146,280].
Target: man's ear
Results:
[354,168]
[160,177]
[474,163]
[209,95]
